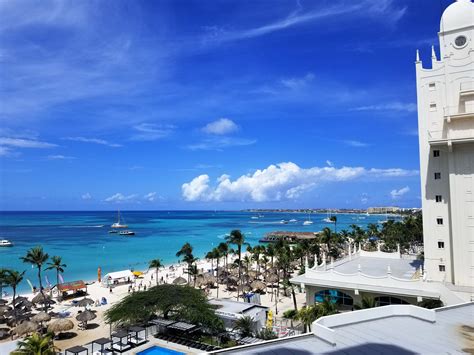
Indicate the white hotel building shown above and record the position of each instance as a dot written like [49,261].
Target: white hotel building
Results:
[446,137]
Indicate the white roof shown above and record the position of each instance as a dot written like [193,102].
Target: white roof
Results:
[457,15]
[119,275]
[396,329]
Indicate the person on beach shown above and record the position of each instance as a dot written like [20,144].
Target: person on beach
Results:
[110,289]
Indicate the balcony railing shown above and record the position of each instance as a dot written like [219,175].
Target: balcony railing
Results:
[464,109]
[467,86]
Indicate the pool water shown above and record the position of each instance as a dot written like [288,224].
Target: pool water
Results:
[158,350]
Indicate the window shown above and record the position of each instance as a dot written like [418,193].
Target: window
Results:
[334,296]
[388,300]
[439,221]
[441,245]
[460,41]
[439,198]
[442,268]
[437,176]
[432,107]
[432,86]
[436,153]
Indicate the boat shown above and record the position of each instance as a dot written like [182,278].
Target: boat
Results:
[254,217]
[127,232]
[113,231]
[283,221]
[308,222]
[328,218]
[293,220]
[118,224]
[5,243]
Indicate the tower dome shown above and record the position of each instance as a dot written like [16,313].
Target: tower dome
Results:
[457,15]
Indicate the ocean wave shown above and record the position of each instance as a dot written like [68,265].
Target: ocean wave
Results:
[84,226]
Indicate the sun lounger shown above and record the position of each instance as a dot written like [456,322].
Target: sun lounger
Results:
[124,347]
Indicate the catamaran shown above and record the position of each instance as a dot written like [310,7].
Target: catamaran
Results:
[118,224]
[5,243]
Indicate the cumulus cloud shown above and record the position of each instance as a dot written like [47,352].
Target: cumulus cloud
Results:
[329,163]
[222,126]
[93,140]
[278,182]
[151,196]
[151,132]
[119,197]
[86,196]
[396,194]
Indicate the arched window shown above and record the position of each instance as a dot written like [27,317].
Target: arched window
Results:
[334,296]
[388,300]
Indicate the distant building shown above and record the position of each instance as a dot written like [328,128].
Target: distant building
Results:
[446,137]
[378,210]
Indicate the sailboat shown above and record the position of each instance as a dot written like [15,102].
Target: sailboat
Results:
[328,218]
[308,222]
[118,224]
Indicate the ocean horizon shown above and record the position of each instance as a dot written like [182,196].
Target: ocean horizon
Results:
[81,238]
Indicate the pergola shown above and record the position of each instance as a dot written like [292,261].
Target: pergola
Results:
[139,335]
[182,326]
[102,342]
[118,343]
[75,350]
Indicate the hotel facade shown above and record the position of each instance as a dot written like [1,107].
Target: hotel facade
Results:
[445,92]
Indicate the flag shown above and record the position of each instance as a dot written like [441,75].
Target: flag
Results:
[29,283]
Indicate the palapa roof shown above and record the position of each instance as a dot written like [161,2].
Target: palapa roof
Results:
[292,235]
[86,316]
[72,286]
[60,325]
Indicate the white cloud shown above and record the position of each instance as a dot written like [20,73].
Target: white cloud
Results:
[152,132]
[278,182]
[86,196]
[396,194]
[355,144]
[119,197]
[221,126]
[59,157]
[219,143]
[151,196]
[93,140]
[390,106]
[329,163]
[25,143]
[298,83]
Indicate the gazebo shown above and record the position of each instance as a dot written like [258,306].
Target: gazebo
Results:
[138,335]
[102,342]
[120,341]
[76,350]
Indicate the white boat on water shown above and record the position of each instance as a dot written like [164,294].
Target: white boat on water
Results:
[293,221]
[118,224]
[127,233]
[308,222]
[5,243]
[283,221]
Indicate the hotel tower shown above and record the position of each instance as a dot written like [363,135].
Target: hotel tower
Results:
[446,137]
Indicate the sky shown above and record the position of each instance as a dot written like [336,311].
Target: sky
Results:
[186,104]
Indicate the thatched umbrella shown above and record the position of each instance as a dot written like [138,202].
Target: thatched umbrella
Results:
[271,278]
[244,288]
[253,273]
[258,285]
[232,280]
[39,298]
[19,299]
[41,317]
[25,304]
[84,302]
[60,325]
[180,281]
[86,316]
[25,328]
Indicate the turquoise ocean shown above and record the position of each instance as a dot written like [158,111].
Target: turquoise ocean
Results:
[83,241]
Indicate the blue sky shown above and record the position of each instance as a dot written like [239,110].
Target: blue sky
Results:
[210,104]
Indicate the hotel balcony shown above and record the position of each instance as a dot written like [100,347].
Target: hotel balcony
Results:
[467,88]
[463,110]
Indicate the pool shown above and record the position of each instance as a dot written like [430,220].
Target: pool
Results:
[158,350]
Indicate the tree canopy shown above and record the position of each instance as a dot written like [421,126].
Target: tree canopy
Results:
[182,303]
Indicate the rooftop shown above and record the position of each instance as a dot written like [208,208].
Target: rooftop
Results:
[228,306]
[396,329]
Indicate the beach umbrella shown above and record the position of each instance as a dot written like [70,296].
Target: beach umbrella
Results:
[258,285]
[180,281]
[19,299]
[86,316]
[39,298]
[253,273]
[25,304]
[84,302]
[41,317]
[232,280]
[244,288]
[60,325]
[25,328]
[271,278]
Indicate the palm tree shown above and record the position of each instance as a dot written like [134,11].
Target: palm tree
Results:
[36,344]
[192,269]
[37,257]
[366,302]
[156,264]
[57,265]
[224,251]
[186,252]
[218,255]
[3,274]
[237,238]
[333,219]
[307,315]
[270,252]
[13,278]
[244,326]
[211,255]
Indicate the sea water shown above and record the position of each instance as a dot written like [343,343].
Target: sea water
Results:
[83,241]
